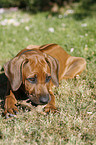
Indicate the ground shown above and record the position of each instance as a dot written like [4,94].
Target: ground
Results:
[75,121]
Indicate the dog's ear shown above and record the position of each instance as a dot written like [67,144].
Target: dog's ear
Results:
[54,67]
[13,71]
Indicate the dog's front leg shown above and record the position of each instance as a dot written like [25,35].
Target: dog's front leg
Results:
[51,105]
[9,106]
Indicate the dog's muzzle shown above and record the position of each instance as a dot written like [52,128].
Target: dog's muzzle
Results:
[40,99]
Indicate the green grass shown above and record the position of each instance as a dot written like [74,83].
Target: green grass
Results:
[75,123]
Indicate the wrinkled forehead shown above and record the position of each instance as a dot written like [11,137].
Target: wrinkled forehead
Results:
[36,65]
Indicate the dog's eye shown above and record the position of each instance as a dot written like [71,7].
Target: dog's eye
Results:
[48,78]
[32,80]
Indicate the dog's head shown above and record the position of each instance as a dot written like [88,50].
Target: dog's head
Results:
[36,71]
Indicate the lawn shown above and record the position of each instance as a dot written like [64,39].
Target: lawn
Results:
[75,121]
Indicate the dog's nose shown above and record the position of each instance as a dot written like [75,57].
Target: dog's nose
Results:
[44,99]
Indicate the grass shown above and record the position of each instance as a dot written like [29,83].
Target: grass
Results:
[75,123]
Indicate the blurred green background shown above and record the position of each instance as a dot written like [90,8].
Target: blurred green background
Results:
[43,5]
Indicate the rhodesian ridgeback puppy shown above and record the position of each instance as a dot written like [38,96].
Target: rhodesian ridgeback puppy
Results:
[33,71]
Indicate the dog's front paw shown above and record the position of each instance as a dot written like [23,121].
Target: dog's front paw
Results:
[50,108]
[10,108]
[11,111]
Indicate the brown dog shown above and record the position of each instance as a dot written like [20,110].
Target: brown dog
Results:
[33,72]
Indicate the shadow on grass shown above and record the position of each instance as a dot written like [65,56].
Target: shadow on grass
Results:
[83,11]
[78,15]
[3,87]
[81,15]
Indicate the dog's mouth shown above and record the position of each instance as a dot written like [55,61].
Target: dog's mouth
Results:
[35,101]
[32,103]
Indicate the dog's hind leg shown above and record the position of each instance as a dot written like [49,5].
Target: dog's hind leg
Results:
[74,67]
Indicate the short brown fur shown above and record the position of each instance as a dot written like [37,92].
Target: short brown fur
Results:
[33,72]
